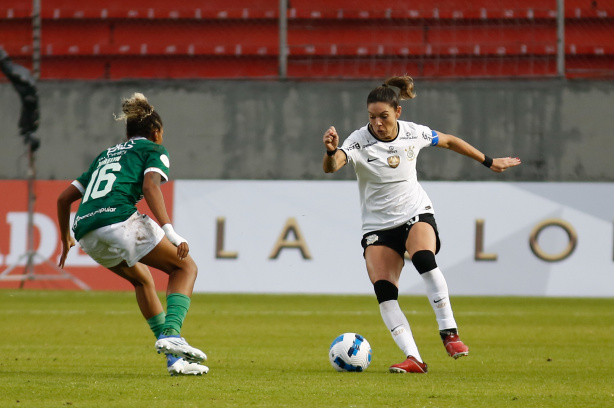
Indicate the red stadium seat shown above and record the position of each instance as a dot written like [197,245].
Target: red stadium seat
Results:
[594,38]
[441,67]
[346,38]
[75,37]
[90,68]
[492,38]
[185,67]
[151,67]
[16,36]
[195,38]
[160,9]
[166,37]
[10,9]
[590,66]
[422,38]
[581,9]
[423,9]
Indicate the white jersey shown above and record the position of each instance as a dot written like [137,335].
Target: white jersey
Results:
[390,194]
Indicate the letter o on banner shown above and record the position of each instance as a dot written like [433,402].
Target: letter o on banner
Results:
[553,222]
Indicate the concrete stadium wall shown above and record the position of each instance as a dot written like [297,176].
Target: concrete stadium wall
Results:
[259,130]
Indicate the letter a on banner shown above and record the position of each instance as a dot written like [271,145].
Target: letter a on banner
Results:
[282,241]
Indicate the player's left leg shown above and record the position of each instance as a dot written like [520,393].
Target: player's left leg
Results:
[421,244]
[180,366]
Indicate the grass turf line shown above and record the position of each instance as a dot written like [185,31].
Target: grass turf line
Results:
[94,349]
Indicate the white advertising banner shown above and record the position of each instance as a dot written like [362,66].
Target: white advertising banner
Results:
[536,239]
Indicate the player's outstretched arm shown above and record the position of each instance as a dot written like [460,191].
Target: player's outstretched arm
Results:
[501,164]
[460,146]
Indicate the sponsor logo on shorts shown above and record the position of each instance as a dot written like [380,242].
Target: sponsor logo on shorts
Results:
[371,239]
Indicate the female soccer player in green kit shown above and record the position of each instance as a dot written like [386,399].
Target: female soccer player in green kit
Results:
[109,228]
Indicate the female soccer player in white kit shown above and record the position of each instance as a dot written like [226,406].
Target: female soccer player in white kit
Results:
[397,214]
[111,231]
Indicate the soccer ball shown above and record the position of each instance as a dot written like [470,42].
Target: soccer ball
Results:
[350,352]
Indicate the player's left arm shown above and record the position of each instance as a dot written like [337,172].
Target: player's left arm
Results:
[65,200]
[155,200]
[460,146]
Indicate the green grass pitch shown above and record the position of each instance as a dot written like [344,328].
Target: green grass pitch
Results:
[80,349]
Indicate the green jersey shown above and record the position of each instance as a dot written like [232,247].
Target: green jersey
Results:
[114,183]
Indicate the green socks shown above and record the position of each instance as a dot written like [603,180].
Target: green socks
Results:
[156,323]
[177,306]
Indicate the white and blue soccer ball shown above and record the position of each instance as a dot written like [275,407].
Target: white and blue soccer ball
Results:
[350,352]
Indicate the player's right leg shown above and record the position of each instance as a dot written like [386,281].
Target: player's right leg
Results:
[411,365]
[384,266]
[144,287]
[182,275]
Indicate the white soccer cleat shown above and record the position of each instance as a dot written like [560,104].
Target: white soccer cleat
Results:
[178,366]
[178,347]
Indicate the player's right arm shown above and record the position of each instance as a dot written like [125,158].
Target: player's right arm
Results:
[65,200]
[332,163]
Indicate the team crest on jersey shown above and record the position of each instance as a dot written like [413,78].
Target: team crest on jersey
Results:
[393,161]
[410,153]
[164,159]
[371,239]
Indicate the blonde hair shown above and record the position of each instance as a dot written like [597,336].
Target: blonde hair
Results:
[139,115]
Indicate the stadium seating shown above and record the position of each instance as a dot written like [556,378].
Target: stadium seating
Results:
[114,39]
[160,9]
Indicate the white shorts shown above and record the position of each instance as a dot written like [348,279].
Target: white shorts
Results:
[128,241]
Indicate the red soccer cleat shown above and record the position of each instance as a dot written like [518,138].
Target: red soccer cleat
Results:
[455,347]
[411,365]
